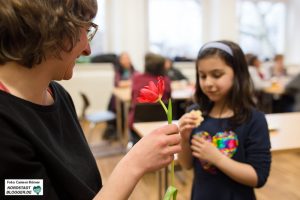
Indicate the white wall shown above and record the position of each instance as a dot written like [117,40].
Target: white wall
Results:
[94,80]
[127,28]
[293,32]
[219,20]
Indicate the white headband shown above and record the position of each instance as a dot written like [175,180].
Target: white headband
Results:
[216,45]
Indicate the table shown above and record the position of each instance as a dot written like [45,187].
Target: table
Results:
[277,86]
[284,130]
[123,95]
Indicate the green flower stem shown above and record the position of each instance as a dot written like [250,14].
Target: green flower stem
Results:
[164,106]
[169,122]
[171,192]
[172,173]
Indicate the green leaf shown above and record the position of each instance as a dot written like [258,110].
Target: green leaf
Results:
[170,112]
[171,192]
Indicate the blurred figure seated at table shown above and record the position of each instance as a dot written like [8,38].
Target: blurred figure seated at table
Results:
[123,72]
[278,69]
[172,72]
[154,67]
[264,100]
[256,73]
[284,102]
[179,81]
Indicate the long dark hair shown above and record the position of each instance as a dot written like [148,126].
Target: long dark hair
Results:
[241,95]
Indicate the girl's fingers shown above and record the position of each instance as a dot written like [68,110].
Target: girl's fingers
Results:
[186,127]
[195,148]
[198,140]
[196,154]
[187,119]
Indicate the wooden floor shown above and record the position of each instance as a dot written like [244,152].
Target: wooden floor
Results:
[283,183]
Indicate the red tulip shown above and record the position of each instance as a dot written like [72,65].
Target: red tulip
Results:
[152,93]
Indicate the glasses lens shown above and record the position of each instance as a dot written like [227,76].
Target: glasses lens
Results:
[91,32]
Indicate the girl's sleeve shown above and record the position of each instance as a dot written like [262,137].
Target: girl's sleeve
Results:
[258,146]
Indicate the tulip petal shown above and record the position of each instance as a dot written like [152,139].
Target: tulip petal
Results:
[152,93]
[153,87]
[160,86]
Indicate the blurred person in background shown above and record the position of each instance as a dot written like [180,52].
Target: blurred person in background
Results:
[154,67]
[124,70]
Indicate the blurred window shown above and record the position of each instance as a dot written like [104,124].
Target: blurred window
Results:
[97,44]
[262,26]
[175,27]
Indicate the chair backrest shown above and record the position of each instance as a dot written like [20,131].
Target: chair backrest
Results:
[188,69]
[105,58]
[86,104]
[146,112]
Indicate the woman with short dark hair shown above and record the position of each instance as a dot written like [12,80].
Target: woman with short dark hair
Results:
[41,137]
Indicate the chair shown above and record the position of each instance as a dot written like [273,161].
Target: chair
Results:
[104,58]
[106,148]
[147,112]
[96,117]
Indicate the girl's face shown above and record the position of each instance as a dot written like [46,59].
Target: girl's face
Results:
[215,78]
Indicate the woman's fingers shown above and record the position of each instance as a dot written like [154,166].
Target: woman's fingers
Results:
[173,139]
[171,150]
[169,129]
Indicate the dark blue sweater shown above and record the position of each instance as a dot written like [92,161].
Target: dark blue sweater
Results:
[253,148]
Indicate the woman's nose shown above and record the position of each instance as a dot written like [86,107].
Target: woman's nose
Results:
[87,50]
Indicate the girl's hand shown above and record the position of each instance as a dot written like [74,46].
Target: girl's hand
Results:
[186,124]
[205,150]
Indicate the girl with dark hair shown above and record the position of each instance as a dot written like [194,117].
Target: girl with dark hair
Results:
[230,149]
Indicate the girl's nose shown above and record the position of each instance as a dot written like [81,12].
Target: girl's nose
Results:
[208,81]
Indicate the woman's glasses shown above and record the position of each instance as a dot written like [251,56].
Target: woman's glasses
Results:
[92,31]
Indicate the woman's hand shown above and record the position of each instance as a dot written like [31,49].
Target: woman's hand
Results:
[205,150]
[157,149]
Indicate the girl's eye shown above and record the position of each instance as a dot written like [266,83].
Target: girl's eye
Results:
[202,76]
[217,74]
